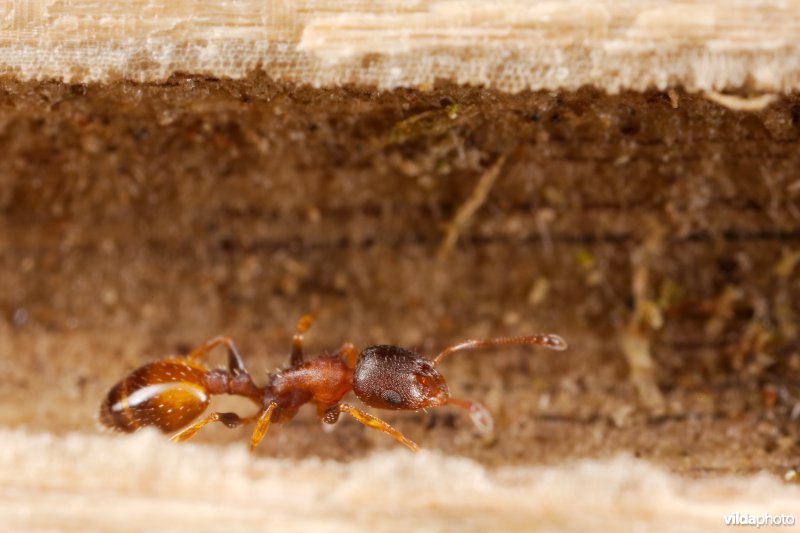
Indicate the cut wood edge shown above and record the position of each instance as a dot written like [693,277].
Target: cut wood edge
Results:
[513,46]
[141,481]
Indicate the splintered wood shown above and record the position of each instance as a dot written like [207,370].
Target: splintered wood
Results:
[514,45]
[141,482]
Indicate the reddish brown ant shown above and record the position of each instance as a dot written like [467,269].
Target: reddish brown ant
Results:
[170,393]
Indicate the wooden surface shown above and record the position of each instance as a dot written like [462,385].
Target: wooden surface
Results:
[513,45]
[137,220]
[136,483]
[657,231]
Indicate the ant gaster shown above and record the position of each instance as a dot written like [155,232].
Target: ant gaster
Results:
[169,394]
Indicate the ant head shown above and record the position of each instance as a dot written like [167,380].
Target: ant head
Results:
[390,377]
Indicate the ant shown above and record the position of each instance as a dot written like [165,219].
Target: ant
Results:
[172,392]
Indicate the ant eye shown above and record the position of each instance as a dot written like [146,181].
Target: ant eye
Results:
[392,397]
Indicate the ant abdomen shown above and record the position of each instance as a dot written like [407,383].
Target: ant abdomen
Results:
[391,377]
[167,394]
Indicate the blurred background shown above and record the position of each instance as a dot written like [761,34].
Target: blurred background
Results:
[657,232]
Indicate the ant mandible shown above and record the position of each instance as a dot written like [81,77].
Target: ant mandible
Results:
[170,393]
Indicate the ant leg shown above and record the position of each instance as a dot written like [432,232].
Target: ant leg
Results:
[303,325]
[262,425]
[348,353]
[232,420]
[235,362]
[479,414]
[368,420]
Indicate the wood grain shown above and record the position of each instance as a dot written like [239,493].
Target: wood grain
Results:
[99,483]
[513,45]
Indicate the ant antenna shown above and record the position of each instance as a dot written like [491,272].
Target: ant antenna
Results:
[554,342]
